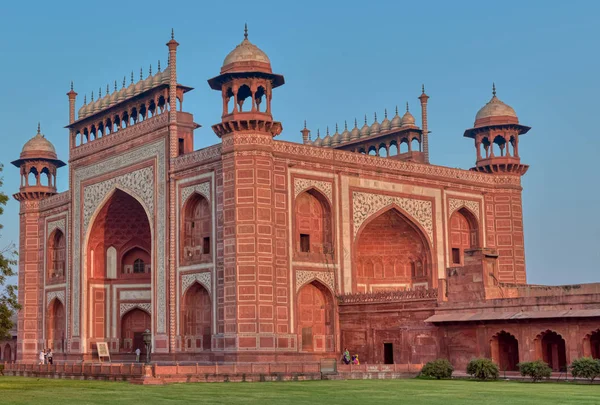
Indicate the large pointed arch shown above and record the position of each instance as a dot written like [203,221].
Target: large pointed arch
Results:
[134,223]
[464,234]
[196,318]
[315,307]
[397,250]
[550,346]
[313,224]
[196,229]
[56,329]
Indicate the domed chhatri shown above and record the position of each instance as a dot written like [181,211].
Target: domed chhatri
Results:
[407,118]
[495,112]
[246,55]
[38,147]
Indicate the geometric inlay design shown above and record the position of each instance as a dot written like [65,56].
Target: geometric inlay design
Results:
[60,295]
[142,187]
[202,278]
[366,204]
[303,277]
[145,306]
[202,189]
[59,223]
[323,186]
[456,204]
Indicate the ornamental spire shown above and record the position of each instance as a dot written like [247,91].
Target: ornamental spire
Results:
[132,77]
[39,129]
[245,31]
[71,85]
[159,66]
[407,106]
[124,80]
[172,34]
[494,89]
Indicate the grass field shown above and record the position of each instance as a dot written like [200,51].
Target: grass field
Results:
[22,390]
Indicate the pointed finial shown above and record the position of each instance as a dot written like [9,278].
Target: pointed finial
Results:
[107,89]
[375,117]
[407,106]
[172,33]
[132,77]
[396,110]
[39,128]
[159,66]
[423,88]
[385,113]
[327,130]
[494,89]
[345,125]
[304,124]
[245,31]
[141,73]
[92,96]
[115,85]
[151,69]
[71,85]
[84,99]
[99,93]
[365,119]
[336,128]
[355,123]
[124,80]
[318,133]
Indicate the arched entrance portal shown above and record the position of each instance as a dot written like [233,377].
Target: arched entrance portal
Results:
[196,318]
[391,254]
[505,351]
[315,318]
[118,254]
[55,326]
[7,355]
[313,230]
[551,348]
[133,325]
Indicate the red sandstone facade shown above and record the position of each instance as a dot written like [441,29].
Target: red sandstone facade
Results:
[255,249]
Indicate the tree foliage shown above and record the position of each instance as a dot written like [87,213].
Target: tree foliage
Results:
[483,369]
[535,369]
[440,368]
[586,367]
[8,293]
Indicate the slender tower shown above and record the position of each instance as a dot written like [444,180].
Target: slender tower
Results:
[423,99]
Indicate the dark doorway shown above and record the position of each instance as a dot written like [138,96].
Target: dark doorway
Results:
[307,339]
[388,353]
[138,342]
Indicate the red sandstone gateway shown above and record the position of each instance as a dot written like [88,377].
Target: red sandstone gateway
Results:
[257,250]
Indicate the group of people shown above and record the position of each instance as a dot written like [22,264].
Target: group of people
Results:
[347,359]
[46,356]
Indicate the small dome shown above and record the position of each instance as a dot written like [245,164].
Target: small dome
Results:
[355,133]
[244,53]
[385,124]
[495,108]
[396,121]
[364,131]
[327,139]
[336,138]
[407,118]
[375,127]
[166,76]
[122,94]
[345,137]
[38,147]
[318,141]
[81,112]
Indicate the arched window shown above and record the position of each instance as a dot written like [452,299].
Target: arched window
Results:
[463,235]
[196,318]
[315,318]
[505,351]
[56,256]
[139,266]
[313,224]
[197,231]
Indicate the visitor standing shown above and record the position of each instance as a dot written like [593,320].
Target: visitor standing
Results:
[137,355]
[50,356]
[41,357]
[45,357]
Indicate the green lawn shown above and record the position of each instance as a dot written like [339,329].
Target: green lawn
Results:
[22,390]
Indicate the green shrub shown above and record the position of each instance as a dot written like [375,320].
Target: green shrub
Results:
[586,367]
[483,369]
[440,368]
[1,369]
[535,369]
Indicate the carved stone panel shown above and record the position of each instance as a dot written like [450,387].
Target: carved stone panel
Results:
[323,186]
[60,295]
[126,307]
[366,204]
[202,189]
[303,277]
[203,278]
[456,204]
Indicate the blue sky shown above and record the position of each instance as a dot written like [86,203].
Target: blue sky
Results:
[343,60]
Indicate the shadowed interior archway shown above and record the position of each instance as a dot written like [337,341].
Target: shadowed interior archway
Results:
[551,348]
[196,231]
[56,257]
[7,354]
[391,253]
[196,318]
[313,225]
[505,351]
[591,344]
[315,318]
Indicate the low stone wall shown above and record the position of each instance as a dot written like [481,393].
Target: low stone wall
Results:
[181,373]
